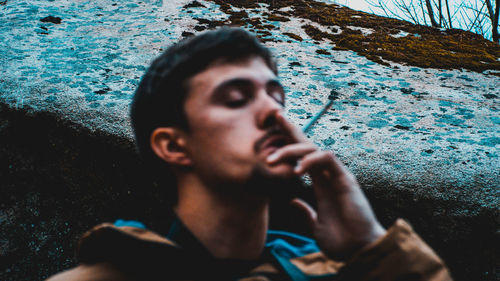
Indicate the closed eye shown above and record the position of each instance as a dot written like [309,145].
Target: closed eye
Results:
[236,103]
[238,91]
[233,93]
[236,96]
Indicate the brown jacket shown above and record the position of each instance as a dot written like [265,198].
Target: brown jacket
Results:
[108,252]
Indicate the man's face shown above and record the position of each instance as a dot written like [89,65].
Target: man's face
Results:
[231,109]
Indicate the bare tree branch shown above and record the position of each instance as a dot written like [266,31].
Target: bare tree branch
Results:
[448,12]
[415,12]
[479,15]
[466,19]
[472,15]
[431,13]
[440,9]
[490,8]
[407,11]
[494,19]
[423,11]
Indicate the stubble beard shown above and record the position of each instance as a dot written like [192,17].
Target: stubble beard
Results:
[263,184]
[275,187]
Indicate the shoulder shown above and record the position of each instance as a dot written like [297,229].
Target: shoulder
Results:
[120,242]
[94,272]
[113,251]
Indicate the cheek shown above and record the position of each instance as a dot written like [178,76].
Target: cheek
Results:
[224,133]
[222,149]
[225,127]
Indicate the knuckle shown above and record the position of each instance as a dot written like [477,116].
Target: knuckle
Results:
[325,155]
[329,154]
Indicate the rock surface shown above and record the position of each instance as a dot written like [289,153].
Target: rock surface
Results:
[422,141]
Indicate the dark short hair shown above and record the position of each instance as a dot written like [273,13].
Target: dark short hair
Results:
[159,98]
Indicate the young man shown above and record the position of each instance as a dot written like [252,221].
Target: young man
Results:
[211,108]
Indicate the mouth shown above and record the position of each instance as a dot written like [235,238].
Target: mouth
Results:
[273,143]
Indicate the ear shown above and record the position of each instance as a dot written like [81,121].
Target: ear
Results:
[170,145]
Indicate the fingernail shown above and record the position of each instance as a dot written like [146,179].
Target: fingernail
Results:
[272,157]
[297,168]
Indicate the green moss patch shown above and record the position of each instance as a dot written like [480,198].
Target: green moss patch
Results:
[293,36]
[423,46]
[323,52]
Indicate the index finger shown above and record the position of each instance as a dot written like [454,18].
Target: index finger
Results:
[293,130]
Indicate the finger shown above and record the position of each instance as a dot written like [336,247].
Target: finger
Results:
[294,131]
[312,216]
[322,159]
[315,161]
[291,151]
[325,172]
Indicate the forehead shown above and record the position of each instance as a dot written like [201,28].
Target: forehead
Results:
[253,68]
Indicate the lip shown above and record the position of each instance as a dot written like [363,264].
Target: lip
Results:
[273,143]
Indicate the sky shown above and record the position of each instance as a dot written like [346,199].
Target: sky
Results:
[457,8]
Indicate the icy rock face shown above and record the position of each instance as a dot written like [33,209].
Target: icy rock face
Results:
[422,141]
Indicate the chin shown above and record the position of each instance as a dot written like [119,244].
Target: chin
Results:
[277,182]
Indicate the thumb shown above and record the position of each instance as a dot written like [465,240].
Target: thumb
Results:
[307,210]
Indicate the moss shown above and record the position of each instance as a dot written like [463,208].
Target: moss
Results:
[271,17]
[199,28]
[194,4]
[323,52]
[339,48]
[210,24]
[187,34]
[424,46]
[264,33]
[239,18]
[268,26]
[314,33]
[293,36]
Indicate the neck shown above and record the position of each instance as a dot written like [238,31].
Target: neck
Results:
[228,226]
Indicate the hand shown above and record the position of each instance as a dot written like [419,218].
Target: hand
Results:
[344,221]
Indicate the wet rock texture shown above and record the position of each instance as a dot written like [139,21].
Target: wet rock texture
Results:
[415,116]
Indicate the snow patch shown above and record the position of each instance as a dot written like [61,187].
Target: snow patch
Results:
[285,9]
[400,34]
[364,31]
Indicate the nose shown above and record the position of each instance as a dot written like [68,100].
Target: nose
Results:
[267,108]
